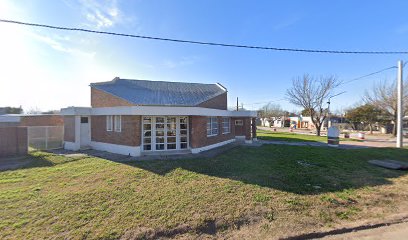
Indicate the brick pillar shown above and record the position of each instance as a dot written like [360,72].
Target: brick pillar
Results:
[253,128]
[247,128]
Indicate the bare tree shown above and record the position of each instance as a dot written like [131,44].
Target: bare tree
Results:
[311,93]
[33,110]
[384,96]
[271,110]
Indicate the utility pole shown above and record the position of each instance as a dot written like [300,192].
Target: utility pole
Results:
[237,105]
[328,108]
[328,114]
[399,106]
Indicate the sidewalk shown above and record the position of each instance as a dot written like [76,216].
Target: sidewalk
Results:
[393,232]
[311,144]
[374,140]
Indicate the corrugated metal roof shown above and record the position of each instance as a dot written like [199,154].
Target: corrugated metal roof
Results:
[144,92]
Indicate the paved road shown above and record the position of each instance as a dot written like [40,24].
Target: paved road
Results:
[392,232]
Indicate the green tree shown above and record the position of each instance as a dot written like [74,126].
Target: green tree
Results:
[12,110]
[307,112]
[366,114]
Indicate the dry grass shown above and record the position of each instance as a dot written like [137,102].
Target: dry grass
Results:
[270,191]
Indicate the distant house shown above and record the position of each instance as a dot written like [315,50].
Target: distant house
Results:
[301,122]
[136,117]
[278,122]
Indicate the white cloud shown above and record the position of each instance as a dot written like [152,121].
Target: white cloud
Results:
[185,61]
[285,23]
[101,14]
[55,42]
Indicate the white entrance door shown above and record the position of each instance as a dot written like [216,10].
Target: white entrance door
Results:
[85,131]
[161,133]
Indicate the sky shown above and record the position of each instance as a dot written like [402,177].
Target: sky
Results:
[51,69]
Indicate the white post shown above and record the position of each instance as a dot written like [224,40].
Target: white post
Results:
[399,106]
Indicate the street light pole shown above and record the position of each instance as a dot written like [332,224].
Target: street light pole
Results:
[328,113]
[399,106]
[328,108]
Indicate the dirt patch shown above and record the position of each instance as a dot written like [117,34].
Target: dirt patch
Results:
[210,228]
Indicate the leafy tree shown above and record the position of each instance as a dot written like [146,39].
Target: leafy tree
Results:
[11,110]
[366,114]
[306,112]
[311,93]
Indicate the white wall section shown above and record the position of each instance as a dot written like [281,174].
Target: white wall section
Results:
[205,148]
[115,148]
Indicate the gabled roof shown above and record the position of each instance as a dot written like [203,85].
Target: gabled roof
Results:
[144,92]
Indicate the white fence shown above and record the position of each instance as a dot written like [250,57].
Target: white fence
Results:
[45,137]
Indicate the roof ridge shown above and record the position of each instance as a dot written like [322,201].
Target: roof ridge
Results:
[148,80]
[147,92]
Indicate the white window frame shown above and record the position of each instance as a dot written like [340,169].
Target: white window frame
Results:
[212,122]
[239,122]
[118,123]
[109,123]
[153,134]
[226,125]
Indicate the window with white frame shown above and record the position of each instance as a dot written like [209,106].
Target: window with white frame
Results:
[109,123]
[226,125]
[212,126]
[239,122]
[118,123]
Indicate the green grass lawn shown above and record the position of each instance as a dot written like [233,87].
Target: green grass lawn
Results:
[294,137]
[247,192]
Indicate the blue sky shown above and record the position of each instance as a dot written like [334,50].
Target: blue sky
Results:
[50,69]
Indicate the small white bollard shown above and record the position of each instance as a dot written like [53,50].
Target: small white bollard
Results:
[333,139]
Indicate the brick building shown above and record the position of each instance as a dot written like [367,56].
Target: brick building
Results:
[30,120]
[136,117]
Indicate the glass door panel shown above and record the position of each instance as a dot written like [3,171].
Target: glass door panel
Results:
[147,133]
[183,132]
[165,133]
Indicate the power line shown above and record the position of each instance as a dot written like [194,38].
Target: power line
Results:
[368,75]
[204,43]
[342,83]
[272,101]
[371,74]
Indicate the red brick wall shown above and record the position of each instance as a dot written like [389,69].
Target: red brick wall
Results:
[9,124]
[245,129]
[218,102]
[198,132]
[129,136]
[102,99]
[13,141]
[69,128]
[42,120]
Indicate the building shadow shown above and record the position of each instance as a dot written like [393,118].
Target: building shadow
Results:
[297,169]
[37,159]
